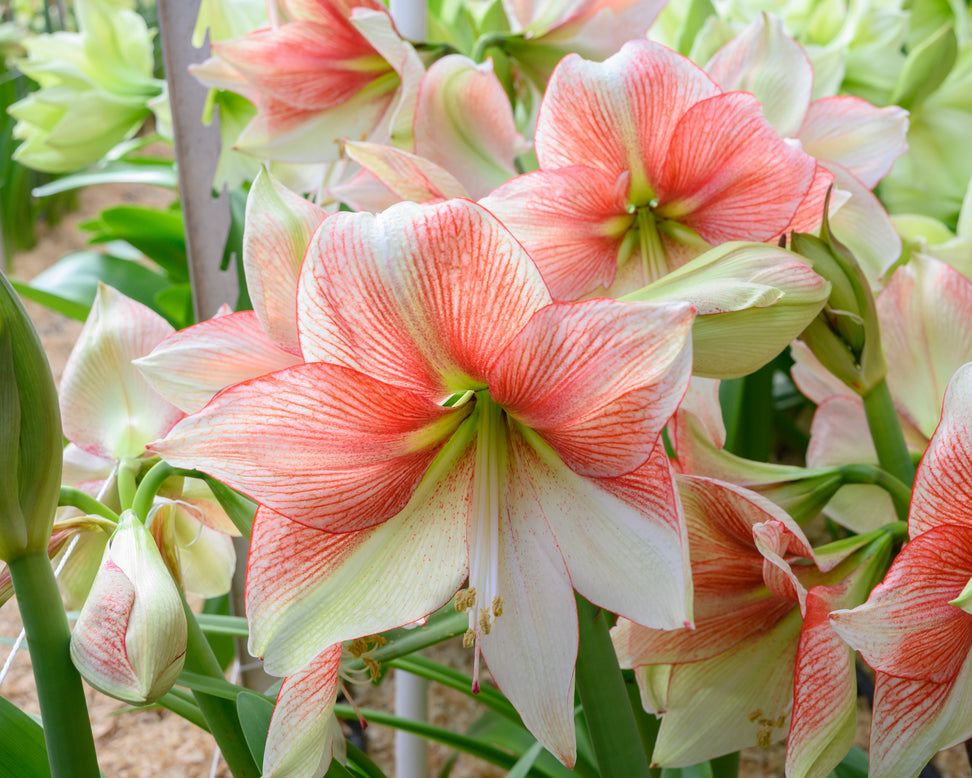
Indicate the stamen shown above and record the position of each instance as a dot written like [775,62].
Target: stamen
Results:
[354,705]
[498,603]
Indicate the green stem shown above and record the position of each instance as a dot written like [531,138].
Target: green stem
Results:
[127,471]
[648,725]
[486,42]
[882,420]
[749,417]
[149,487]
[617,742]
[86,503]
[220,714]
[868,474]
[725,766]
[67,731]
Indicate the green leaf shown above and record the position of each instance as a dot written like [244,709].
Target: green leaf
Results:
[224,648]
[522,767]
[152,172]
[22,750]
[501,732]
[854,765]
[703,770]
[69,286]
[698,12]
[157,233]
[175,304]
[220,624]
[255,712]
[214,687]
[925,69]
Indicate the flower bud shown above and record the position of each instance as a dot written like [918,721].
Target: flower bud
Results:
[751,301]
[845,336]
[30,433]
[130,639]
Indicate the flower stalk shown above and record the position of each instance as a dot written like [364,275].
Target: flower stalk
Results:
[885,427]
[607,710]
[64,711]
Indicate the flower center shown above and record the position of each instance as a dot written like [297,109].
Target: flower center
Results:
[482,599]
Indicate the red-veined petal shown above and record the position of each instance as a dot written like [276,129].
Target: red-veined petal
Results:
[189,367]
[597,379]
[322,444]
[422,297]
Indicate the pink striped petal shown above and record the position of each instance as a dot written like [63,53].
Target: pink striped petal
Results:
[825,693]
[915,719]
[408,176]
[301,737]
[862,138]
[813,380]
[322,444]
[279,225]
[943,488]
[107,407]
[464,123]
[924,313]
[189,367]
[321,11]
[572,221]
[308,65]
[531,649]
[809,214]
[610,530]
[599,114]
[597,379]
[307,588]
[421,297]
[728,175]
[767,62]
[907,628]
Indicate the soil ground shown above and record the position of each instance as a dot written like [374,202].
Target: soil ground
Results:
[158,744]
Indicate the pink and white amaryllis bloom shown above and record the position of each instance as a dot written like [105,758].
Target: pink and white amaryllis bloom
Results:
[924,313]
[855,140]
[452,422]
[646,163]
[761,634]
[915,630]
[334,69]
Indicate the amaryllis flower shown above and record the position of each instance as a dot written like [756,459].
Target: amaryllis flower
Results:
[334,69]
[452,422]
[855,140]
[915,630]
[644,164]
[924,313]
[761,635]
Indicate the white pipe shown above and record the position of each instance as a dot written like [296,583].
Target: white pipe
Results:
[411,18]
[411,702]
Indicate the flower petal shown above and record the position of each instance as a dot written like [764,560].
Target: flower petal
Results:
[610,530]
[767,62]
[107,407]
[907,628]
[409,176]
[300,740]
[189,367]
[322,444]
[279,225]
[924,313]
[618,115]
[307,588]
[597,379]
[860,137]
[943,489]
[464,123]
[728,175]
[531,649]
[572,221]
[422,297]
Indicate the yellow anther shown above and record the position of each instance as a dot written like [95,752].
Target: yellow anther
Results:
[469,639]
[756,714]
[484,623]
[358,647]
[374,669]
[465,599]
[498,606]
[763,739]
